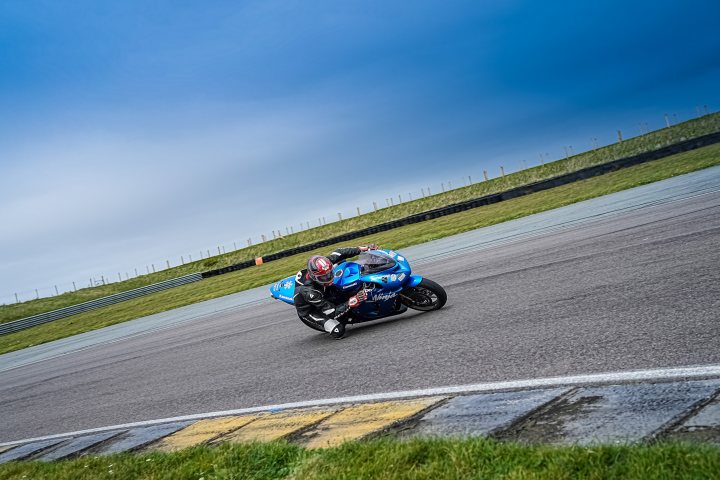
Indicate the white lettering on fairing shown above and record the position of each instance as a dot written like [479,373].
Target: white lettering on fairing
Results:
[384,296]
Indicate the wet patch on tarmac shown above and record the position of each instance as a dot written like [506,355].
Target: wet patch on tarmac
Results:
[613,414]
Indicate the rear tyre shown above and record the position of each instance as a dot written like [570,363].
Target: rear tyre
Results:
[425,296]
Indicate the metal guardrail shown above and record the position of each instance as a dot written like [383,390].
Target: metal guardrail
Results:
[46,317]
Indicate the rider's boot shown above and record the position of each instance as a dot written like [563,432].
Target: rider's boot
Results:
[334,328]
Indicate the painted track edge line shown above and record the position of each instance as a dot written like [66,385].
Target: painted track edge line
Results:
[674,373]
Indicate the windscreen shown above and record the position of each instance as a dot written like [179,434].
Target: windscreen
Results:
[374,262]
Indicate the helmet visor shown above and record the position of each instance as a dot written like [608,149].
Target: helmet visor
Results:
[324,278]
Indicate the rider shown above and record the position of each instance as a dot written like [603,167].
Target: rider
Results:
[318,302]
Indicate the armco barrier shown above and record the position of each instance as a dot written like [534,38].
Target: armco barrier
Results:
[487,200]
[416,218]
[41,318]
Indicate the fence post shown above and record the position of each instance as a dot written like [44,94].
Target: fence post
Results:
[442,187]
[264,239]
[429,192]
[166,261]
[375,206]
[339,216]
[502,171]
[249,242]
[74,287]
[37,295]
[485,175]
[620,136]
[16,299]
[358,210]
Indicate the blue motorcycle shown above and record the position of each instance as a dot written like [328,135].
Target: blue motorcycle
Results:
[386,277]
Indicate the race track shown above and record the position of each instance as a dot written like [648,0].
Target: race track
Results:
[631,286]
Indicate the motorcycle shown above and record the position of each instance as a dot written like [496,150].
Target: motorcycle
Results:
[387,279]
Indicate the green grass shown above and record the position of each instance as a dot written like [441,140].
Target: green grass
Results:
[398,238]
[650,141]
[390,459]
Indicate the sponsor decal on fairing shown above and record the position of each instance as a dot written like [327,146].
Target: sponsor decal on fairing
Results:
[384,296]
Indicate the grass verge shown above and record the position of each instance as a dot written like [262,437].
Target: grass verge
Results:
[389,459]
[651,141]
[398,238]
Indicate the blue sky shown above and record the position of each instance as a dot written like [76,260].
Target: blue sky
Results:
[135,132]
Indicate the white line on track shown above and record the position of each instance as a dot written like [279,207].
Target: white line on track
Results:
[662,374]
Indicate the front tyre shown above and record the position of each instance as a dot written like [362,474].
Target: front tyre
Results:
[425,296]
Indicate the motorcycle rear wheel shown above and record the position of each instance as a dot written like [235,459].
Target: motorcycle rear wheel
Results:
[425,296]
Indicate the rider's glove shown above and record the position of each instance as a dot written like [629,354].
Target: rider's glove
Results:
[357,299]
[365,248]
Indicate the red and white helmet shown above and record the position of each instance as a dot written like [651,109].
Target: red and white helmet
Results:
[320,270]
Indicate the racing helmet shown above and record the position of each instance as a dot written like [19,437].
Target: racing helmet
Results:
[320,270]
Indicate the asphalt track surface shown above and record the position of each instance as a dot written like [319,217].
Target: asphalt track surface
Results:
[627,282]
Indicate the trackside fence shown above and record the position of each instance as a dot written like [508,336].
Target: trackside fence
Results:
[41,318]
[538,186]
[487,199]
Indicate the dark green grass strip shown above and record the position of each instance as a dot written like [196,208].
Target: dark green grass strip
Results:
[390,459]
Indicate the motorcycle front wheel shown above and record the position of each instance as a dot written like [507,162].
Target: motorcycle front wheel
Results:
[425,296]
